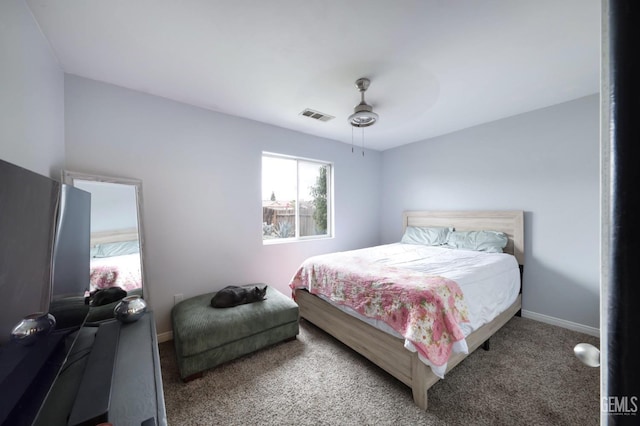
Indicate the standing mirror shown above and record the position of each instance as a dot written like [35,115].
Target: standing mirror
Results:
[117,242]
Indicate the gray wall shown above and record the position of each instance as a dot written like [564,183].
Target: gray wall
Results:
[31,94]
[201,185]
[113,205]
[546,163]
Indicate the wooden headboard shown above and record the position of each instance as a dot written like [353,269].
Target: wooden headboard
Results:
[105,237]
[511,222]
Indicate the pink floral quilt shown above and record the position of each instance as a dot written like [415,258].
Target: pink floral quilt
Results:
[425,310]
[116,271]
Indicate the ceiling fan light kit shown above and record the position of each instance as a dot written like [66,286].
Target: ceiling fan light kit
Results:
[363,115]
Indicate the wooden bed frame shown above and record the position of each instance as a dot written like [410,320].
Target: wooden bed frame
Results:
[387,351]
[105,237]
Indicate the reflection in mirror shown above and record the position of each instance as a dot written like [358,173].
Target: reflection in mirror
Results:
[116,239]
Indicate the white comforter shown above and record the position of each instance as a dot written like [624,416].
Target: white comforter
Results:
[490,281]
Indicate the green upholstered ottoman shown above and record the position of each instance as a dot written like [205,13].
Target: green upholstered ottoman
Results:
[205,337]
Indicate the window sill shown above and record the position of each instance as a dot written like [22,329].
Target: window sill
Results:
[277,241]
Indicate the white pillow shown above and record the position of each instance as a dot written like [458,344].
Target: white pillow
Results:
[428,236]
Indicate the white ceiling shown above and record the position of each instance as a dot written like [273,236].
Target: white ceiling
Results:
[435,66]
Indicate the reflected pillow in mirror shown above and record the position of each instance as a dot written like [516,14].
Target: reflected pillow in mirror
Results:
[428,236]
[487,241]
[115,249]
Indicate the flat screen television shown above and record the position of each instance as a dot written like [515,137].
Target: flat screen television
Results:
[44,267]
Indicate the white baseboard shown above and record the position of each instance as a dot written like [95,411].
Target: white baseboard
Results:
[592,331]
[165,337]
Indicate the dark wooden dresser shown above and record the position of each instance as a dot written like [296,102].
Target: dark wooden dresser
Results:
[112,375]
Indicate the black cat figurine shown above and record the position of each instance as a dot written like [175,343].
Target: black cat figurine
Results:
[106,296]
[232,295]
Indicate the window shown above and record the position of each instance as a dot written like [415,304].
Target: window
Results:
[296,198]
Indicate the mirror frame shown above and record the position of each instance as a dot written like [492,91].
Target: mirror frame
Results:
[69,178]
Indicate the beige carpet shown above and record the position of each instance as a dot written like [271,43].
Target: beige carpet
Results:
[529,377]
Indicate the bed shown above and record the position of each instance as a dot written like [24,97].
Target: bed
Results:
[390,351]
[115,260]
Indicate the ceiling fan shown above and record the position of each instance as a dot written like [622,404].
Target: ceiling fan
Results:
[363,115]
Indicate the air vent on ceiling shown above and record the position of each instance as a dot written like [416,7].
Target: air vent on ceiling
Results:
[317,115]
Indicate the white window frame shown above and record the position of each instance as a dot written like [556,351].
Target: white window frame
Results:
[330,200]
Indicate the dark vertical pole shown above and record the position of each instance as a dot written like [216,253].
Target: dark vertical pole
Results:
[623,310]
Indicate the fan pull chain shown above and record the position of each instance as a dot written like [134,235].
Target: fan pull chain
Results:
[352,139]
[363,141]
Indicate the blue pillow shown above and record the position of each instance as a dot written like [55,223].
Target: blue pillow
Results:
[428,236]
[487,241]
[115,249]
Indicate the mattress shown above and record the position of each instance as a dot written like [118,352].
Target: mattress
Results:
[490,282]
